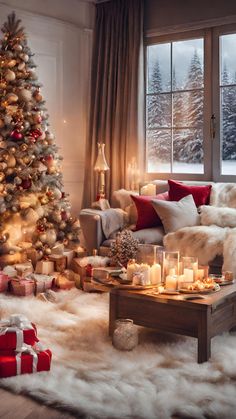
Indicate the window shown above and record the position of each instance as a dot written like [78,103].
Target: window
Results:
[189,135]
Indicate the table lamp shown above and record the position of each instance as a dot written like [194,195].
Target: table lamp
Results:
[101,167]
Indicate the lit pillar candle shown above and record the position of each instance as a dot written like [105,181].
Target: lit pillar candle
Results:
[188,273]
[200,274]
[171,282]
[131,268]
[156,274]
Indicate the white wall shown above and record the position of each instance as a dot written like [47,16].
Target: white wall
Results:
[59,33]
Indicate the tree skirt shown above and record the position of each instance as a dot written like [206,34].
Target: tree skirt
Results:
[89,377]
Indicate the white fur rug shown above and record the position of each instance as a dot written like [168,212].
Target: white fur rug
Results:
[159,379]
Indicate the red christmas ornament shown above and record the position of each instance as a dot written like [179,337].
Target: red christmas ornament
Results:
[26,183]
[40,228]
[16,135]
[48,160]
[36,133]
[63,215]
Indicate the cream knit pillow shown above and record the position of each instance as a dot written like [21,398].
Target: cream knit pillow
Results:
[177,214]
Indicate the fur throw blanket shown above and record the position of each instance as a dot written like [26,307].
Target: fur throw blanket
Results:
[205,242]
[217,233]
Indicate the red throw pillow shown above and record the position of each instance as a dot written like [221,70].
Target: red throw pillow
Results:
[147,216]
[178,190]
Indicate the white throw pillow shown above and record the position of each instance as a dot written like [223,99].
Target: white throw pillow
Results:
[219,216]
[175,215]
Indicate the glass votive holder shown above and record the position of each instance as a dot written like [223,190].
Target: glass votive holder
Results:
[168,261]
[202,273]
[188,268]
[146,254]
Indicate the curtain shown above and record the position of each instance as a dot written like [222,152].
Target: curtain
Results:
[116,113]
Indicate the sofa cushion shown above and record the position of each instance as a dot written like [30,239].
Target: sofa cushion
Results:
[147,216]
[176,215]
[223,195]
[178,190]
[152,235]
[222,216]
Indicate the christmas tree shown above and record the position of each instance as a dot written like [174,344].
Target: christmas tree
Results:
[34,211]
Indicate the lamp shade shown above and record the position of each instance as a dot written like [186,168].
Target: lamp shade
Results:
[101,163]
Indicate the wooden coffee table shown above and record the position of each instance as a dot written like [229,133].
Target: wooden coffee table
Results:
[201,319]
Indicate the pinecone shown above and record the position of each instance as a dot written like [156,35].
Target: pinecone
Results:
[123,249]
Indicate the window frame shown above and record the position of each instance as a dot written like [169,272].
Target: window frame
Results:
[216,149]
[206,34]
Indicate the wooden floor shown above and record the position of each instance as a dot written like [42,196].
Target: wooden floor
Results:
[14,406]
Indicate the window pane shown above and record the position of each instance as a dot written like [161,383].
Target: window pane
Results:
[159,111]
[158,68]
[188,109]
[188,151]
[228,130]
[228,59]
[187,70]
[159,151]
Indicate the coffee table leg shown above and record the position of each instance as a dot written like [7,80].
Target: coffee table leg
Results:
[204,340]
[112,313]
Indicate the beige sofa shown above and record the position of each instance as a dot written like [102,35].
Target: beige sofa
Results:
[92,221]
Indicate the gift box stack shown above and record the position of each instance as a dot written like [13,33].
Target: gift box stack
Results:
[20,349]
[63,269]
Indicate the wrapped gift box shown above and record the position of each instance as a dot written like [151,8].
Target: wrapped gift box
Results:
[45,267]
[64,283]
[42,282]
[73,276]
[22,286]
[13,333]
[69,254]
[60,262]
[83,266]
[4,280]
[12,363]
[24,269]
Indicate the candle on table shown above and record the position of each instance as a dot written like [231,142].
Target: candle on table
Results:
[188,273]
[171,282]
[131,268]
[200,274]
[156,274]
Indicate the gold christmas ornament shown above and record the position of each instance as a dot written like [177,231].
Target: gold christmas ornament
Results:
[2,176]
[21,66]
[24,147]
[25,95]
[24,57]
[11,161]
[51,237]
[47,251]
[11,98]
[43,237]
[12,150]
[11,63]
[44,200]
[5,156]
[9,171]
[3,166]
[3,238]
[10,75]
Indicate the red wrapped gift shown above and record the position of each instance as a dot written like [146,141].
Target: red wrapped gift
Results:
[16,331]
[4,279]
[22,287]
[26,362]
